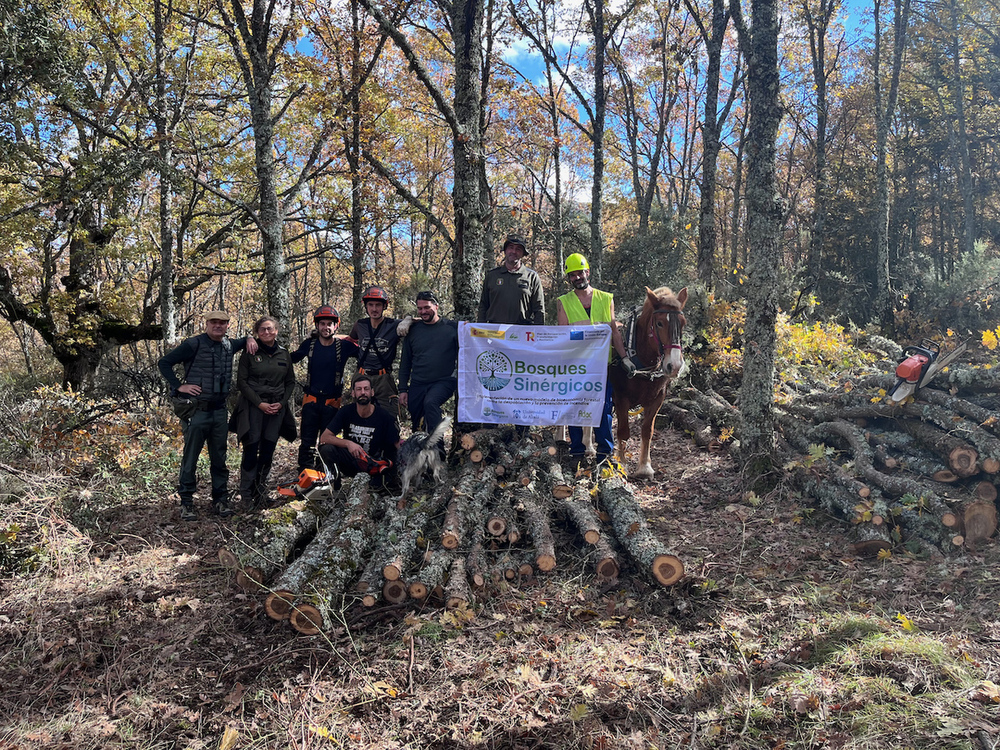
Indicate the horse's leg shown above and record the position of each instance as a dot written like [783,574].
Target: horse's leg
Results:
[588,442]
[621,414]
[645,468]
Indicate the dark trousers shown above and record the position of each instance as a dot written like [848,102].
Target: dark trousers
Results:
[255,468]
[348,464]
[211,427]
[315,418]
[604,440]
[425,401]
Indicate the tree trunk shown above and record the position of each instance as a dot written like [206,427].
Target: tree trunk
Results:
[764,225]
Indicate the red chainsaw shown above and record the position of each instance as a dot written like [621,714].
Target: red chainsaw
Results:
[919,366]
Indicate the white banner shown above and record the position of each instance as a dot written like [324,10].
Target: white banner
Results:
[532,375]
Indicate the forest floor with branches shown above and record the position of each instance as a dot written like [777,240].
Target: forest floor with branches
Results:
[119,627]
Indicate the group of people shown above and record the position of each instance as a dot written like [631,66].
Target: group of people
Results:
[362,435]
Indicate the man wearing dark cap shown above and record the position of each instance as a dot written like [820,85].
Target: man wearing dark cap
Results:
[512,292]
[324,380]
[208,377]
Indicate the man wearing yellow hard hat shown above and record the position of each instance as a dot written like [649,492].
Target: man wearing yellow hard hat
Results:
[584,305]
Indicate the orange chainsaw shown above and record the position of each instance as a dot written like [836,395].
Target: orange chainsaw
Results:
[919,366]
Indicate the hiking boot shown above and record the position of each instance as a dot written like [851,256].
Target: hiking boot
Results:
[222,508]
[188,513]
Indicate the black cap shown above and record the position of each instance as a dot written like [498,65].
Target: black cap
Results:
[427,296]
[516,239]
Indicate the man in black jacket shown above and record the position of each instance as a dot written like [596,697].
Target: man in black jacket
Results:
[208,377]
[327,357]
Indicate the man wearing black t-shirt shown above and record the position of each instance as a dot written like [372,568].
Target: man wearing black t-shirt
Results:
[370,435]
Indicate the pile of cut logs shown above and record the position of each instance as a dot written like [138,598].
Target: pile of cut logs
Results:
[922,472]
[490,521]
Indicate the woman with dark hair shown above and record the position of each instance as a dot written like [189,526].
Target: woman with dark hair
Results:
[265,381]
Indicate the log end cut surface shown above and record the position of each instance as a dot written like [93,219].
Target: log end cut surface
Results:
[668,569]
[980,521]
[249,579]
[870,547]
[306,619]
[278,604]
[227,559]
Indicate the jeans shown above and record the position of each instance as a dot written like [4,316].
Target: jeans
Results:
[210,427]
[604,440]
[426,399]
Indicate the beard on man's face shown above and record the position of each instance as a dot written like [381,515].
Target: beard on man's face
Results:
[364,400]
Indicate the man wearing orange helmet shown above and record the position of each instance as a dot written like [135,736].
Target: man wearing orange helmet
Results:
[377,338]
[324,381]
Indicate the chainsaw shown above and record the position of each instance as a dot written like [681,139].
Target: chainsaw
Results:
[312,484]
[919,366]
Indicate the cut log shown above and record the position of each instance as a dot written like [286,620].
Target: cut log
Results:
[629,524]
[960,456]
[467,507]
[395,591]
[580,509]
[555,481]
[334,562]
[605,561]
[432,574]
[537,520]
[283,530]
[456,591]
[306,619]
[500,514]
[980,522]
[475,565]
[870,540]
[486,438]
[687,421]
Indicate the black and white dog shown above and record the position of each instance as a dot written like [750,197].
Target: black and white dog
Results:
[419,453]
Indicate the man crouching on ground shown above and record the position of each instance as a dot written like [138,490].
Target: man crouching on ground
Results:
[370,436]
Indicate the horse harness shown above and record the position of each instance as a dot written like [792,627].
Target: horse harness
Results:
[630,337]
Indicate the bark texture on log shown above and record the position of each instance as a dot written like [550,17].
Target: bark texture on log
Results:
[456,591]
[579,507]
[537,519]
[334,563]
[650,555]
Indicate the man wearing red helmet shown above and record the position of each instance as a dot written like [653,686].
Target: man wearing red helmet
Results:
[325,379]
[377,337]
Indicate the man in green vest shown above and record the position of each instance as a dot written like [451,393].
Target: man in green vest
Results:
[585,305]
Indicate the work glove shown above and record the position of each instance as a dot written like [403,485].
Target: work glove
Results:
[628,366]
[403,327]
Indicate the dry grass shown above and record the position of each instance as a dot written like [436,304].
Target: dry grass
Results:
[119,629]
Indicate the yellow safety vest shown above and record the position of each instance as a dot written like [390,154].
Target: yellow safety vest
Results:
[600,310]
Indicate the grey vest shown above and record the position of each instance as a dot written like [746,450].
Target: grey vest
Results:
[211,368]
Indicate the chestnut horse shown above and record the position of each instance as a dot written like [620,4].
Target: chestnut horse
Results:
[658,354]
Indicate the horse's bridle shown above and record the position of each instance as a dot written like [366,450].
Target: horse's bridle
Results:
[657,371]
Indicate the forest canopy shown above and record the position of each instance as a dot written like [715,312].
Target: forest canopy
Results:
[265,156]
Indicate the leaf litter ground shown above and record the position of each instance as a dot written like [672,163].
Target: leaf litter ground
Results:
[131,635]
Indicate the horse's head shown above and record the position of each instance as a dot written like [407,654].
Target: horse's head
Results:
[663,312]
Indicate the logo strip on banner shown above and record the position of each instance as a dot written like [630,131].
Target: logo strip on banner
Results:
[532,375]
